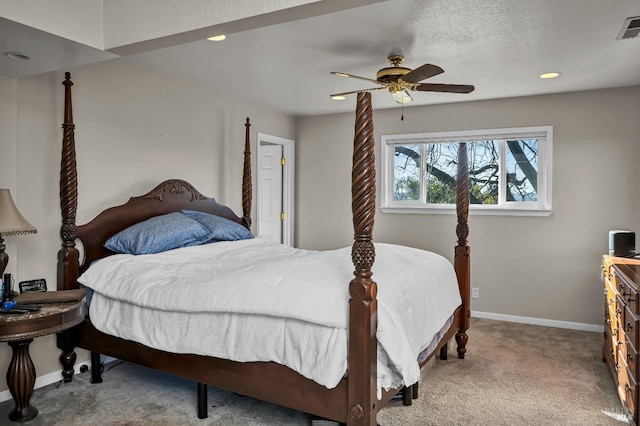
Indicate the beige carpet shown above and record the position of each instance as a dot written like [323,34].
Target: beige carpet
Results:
[516,374]
[513,374]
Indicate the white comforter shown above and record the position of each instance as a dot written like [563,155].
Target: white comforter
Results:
[273,303]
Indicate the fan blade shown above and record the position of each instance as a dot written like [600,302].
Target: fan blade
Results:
[422,73]
[344,74]
[357,91]
[452,88]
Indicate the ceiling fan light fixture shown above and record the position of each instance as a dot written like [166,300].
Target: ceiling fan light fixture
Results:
[399,81]
[218,37]
[338,97]
[547,75]
[402,97]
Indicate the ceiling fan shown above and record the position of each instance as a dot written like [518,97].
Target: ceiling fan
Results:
[399,80]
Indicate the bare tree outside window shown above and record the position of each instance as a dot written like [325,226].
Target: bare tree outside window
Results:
[406,185]
[520,165]
[522,170]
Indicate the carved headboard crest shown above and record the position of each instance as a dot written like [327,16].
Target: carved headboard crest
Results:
[174,186]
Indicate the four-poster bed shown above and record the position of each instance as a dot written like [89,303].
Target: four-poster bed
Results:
[357,397]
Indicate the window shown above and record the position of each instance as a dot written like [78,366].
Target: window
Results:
[509,171]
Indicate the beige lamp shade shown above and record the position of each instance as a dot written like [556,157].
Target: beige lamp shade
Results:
[11,221]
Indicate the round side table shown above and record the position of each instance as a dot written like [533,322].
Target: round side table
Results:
[19,330]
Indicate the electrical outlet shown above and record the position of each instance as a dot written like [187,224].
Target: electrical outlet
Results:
[475,292]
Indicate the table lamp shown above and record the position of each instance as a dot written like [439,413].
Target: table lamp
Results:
[11,223]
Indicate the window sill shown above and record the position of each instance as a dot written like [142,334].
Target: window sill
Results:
[473,211]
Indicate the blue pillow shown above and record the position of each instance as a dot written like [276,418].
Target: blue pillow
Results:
[221,229]
[158,234]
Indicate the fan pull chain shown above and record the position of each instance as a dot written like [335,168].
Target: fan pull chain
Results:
[402,111]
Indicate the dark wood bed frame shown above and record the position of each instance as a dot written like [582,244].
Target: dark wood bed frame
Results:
[354,400]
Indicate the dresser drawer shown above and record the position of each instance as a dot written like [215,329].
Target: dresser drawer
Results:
[611,323]
[610,317]
[630,326]
[611,284]
[629,354]
[610,278]
[609,354]
[619,312]
[627,386]
[630,296]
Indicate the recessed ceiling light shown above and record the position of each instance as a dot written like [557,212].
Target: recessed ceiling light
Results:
[218,37]
[17,55]
[550,75]
[339,98]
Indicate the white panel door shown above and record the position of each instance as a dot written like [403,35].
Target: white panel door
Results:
[270,198]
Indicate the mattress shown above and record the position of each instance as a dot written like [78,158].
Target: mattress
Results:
[255,300]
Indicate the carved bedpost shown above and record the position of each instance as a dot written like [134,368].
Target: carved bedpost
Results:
[247,188]
[461,262]
[363,305]
[68,265]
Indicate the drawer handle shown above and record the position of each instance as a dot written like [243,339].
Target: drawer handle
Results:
[618,311]
[615,330]
[628,327]
[612,353]
[610,302]
[608,320]
[630,299]
[629,357]
[624,293]
[627,388]
[617,367]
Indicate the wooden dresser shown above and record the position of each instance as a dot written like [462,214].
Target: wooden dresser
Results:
[621,278]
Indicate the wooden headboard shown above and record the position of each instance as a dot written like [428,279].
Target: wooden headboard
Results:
[170,196]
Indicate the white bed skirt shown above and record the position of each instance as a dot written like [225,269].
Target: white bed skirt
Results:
[417,293]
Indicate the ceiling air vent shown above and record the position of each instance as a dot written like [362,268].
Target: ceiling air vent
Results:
[630,29]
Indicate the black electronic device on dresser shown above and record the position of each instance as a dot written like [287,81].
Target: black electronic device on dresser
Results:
[621,278]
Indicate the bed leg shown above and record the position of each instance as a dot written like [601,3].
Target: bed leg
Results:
[443,352]
[66,342]
[96,368]
[461,339]
[68,360]
[202,401]
[414,390]
[407,394]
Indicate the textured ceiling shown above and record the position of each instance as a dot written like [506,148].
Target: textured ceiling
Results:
[500,46]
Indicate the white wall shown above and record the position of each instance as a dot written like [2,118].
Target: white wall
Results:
[134,129]
[540,267]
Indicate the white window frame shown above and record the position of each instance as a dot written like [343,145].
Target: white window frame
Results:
[542,207]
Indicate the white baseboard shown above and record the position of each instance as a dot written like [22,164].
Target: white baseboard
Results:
[539,321]
[53,377]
